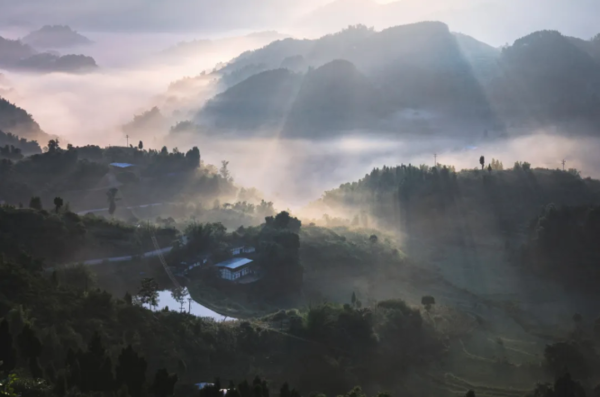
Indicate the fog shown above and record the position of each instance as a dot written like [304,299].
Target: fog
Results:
[134,75]
[296,172]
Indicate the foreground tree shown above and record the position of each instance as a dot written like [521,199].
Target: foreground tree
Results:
[8,355]
[428,301]
[482,161]
[30,348]
[36,203]
[131,371]
[111,196]
[148,292]
[164,384]
[58,203]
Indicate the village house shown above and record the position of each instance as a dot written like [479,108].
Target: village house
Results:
[235,268]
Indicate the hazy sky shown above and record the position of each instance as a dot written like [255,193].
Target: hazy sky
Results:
[494,21]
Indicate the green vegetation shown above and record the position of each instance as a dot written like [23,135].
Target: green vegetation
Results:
[564,243]
[15,120]
[61,236]
[50,323]
[82,176]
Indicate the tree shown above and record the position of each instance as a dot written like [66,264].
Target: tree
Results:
[148,292]
[8,355]
[111,196]
[373,239]
[30,348]
[180,294]
[131,371]
[58,203]
[428,301]
[224,171]
[470,393]
[285,390]
[141,145]
[193,157]
[53,145]
[164,384]
[489,168]
[36,203]
[482,161]
[95,367]
[353,299]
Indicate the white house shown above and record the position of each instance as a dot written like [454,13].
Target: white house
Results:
[235,268]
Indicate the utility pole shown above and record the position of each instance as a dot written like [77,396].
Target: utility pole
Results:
[127,136]
[563,163]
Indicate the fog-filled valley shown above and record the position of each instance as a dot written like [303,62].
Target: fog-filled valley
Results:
[344,198]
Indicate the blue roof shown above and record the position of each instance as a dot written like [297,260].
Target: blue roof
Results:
[234,263]
[122,165]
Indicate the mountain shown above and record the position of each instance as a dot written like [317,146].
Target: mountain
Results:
[17,121]
[196,47]
[12,51]
[47,62]
[55,36]
[263,100]
[484,19]
[592,47]
[333,97]
[543,79]
[546,77]
[14,54]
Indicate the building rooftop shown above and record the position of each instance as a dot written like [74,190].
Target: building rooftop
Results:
[234,263]
[122,165]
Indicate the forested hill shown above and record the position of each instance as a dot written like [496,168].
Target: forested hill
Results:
[15,120]
[440,203]
[13,147]
[16,55]
[542,79]
[55,36]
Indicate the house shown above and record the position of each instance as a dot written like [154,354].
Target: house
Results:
[242,250]
[202,385]
[235,268]
[121,166]
[200,260]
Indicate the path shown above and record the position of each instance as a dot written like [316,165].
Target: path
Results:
[128,208]
[148,254]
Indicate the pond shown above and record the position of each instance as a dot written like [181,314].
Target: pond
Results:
[166,299]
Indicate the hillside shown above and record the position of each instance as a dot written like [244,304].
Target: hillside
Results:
[335,96]
[17,121]
[547,77]
[543,79]
[12,51]
[47,62]
[194,48]
[19,56]
[24,146]
[55,36]
[263,100]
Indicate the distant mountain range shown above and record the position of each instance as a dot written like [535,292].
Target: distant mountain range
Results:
[363,79]
[493,21]
[200,47]
[17,55]
[54,37]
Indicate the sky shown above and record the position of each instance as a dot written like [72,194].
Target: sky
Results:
[494,21]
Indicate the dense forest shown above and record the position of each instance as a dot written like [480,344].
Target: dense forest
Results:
[563,244]
[15,120]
